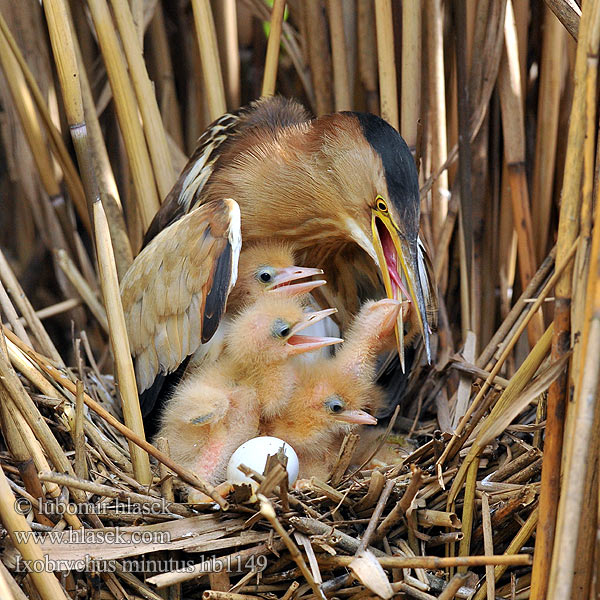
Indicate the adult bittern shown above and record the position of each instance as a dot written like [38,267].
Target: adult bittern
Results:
[342,189]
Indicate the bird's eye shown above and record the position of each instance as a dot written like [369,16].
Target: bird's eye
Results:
[265,274]
[281,329]
[334,404]
[381,204]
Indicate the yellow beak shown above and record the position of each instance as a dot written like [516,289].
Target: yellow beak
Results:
[399,270]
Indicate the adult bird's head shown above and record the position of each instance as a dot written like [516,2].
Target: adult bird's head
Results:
[376,179]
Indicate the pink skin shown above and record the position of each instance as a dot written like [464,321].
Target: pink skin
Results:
[391,259]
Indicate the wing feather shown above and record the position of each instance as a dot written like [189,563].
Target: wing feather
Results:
[165,290]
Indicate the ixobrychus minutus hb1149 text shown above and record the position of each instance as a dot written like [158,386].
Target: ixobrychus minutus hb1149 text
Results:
[342,189]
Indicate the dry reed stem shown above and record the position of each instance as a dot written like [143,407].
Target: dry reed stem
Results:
[464,546]
[516,544]
[488,544]
[83,289]
[119,340]
[433,562]
[578,448]
[70,174]
[411,70]
[267,511]
[211,66]
[437,115]
[568,227]
[228,38]
[146,99]
[102,168]
[165,78]
[184,474]
[507,350]
[46,584]
[510,401]
[386,63]
[20,299]
[339,54]
[318,56]
[568,13]
[513,125]
[273,44]
[11,314]
[127,112]
[367,56]
[551,67]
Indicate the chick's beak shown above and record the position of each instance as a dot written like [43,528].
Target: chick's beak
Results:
[357,417]
[282,282]
[298,344]
[399,270]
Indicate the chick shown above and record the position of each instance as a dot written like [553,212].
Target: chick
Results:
[321,411]
[217,408]
[333,393]
[263,269]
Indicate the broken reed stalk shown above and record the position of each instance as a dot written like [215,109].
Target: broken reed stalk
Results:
[46,584]
[273,45]
[341,84]
[62,45]
[102,168]
[568,13]
[468,513]
[156,139]
[553,52]
[513,126]
[127,112]
[432,562]
[410,84]
[386,62]
[57,376]
[568,229]
[211,65]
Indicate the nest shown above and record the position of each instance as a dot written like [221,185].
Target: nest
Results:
[372,530]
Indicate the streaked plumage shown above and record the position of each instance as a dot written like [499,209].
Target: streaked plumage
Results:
[342,189]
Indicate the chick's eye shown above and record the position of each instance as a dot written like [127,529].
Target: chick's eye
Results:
[335,404]
[281,329]
[265,274]
[381,204]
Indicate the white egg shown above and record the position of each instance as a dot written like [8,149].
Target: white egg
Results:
[254,453]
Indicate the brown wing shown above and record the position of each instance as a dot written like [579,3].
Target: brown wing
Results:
[223,139]
[175,291]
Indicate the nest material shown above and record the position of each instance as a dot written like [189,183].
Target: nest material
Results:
[370,531]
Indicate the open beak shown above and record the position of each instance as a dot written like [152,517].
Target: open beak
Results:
[357,417]
[298,344]
[399,270]
[283,286]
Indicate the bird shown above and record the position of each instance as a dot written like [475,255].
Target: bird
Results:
[217,408]
[341,188]
[331,395]
[163,306]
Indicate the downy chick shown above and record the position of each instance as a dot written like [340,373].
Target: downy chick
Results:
[264,269]
[217,408]
[333,393]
